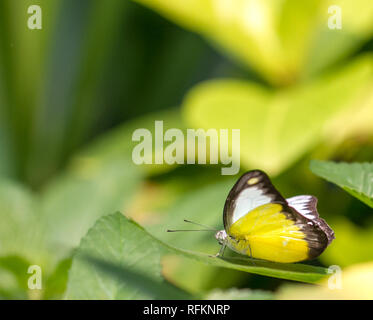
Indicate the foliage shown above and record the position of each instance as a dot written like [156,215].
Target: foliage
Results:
[119,260]
[73,93]
[355,178]
[283,40]
[279,125]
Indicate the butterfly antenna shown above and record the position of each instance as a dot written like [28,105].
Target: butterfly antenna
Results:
[208,228]
[190,230]
[201,225]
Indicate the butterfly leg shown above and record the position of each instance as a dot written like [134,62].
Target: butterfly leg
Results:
[251,256]
[221,252]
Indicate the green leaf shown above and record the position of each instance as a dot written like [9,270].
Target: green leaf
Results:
[23,243]
[13,277]
[45,228]
[55,284]
[355,178]
[278,127]
[357,28]
[22,80]
[118,259]
[207,212]
[6,155]
[77,86]
[296,272]
[202,204]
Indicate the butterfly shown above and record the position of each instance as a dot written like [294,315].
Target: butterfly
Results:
[260,223]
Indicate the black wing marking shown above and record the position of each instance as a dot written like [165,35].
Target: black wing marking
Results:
[306,205]
[252,189]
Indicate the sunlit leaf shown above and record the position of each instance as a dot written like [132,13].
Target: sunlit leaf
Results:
[355,178]
[277,128]
[330,45]
[284,40]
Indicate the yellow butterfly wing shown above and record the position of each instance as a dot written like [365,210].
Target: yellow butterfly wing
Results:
[266,233]
[262,224]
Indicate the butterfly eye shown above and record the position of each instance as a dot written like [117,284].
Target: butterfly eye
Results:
[253,181]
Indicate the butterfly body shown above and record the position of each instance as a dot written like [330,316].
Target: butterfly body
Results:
[260,223]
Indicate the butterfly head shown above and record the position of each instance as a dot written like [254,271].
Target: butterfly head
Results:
[221,236]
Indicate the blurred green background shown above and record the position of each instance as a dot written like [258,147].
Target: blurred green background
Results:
[72,94]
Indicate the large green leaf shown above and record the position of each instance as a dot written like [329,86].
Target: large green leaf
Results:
[278,127]
[296,272]
[118,259]
[355,178]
